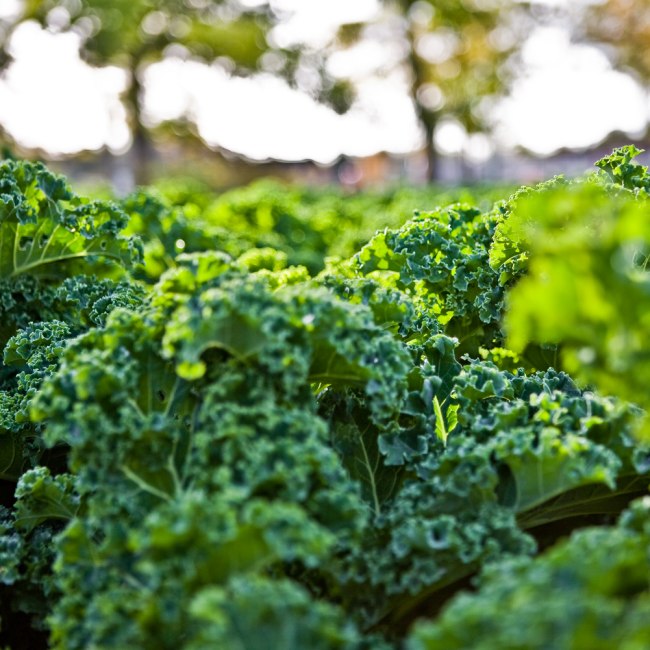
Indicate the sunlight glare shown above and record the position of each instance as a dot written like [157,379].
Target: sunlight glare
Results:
[570,97]
[316,21]
[50,99]
[261,117]
[10,8]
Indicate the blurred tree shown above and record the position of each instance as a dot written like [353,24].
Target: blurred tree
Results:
[134,34]
[459,54]
[622,28]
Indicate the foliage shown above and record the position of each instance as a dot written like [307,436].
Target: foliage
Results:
[48,237]
[458,58]
[242,444]
[441,258]
[587,286]
[114,31]
[620,29]
[44,226]
[308,225]
[61,260]
[234,35]
[591,591]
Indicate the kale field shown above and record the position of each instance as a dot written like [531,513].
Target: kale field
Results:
[290,419]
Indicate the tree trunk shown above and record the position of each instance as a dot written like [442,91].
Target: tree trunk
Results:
[141,153]
[433,157]
[427,118]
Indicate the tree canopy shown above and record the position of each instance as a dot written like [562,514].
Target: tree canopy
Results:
[134,34]
[459,59]
[457,56]
[455,53]
[623,28]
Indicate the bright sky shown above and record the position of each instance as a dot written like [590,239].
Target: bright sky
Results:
[570,97]
[50,99]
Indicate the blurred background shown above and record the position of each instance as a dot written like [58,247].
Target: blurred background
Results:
[361,93]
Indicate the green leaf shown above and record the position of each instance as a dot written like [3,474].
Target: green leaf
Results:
[41,497]
[588,591]
[441,430]
[43,225]
[11,455]
[358,444]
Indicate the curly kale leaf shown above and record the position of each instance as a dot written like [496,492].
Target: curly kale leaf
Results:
[591,591]
[509,252]
[43,505]
[43,225]
[620,169]
[243,431]
[80,301]
[528,456]
[260,613]
[42,497]
[441,258]
[50,238]
[256,488]
[587,285]
[168,231]
[33,354]
[122,378]
[299,334]
[27,586]
[190,574]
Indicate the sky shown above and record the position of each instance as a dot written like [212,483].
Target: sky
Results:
[50,99]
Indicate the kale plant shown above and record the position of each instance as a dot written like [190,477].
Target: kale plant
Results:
[220,449]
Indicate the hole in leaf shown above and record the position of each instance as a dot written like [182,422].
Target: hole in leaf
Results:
[507,486]
[25,243]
